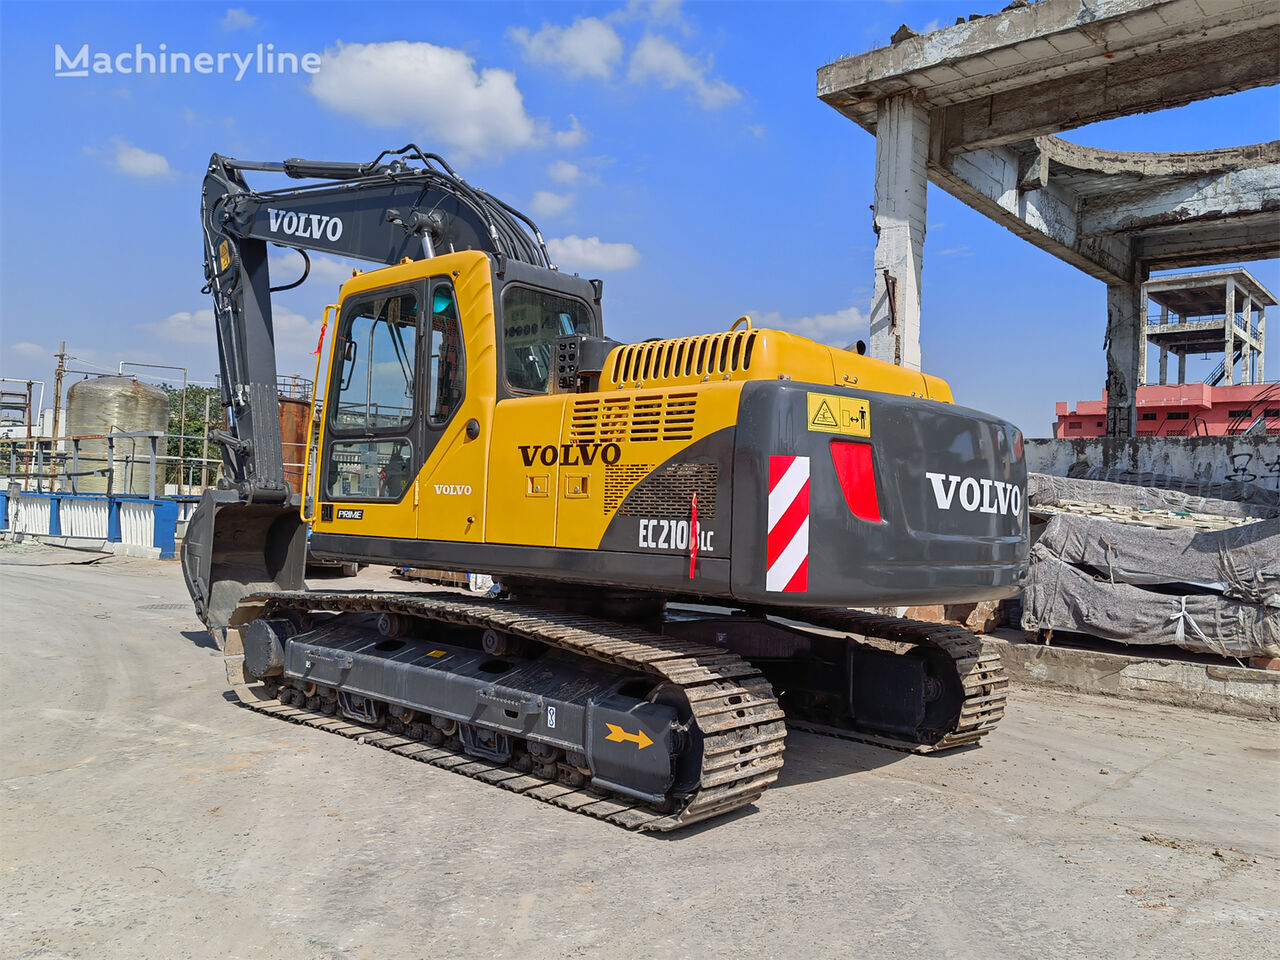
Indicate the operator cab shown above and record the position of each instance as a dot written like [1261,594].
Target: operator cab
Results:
[424,349]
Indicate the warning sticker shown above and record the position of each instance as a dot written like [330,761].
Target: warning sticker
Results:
[832,414]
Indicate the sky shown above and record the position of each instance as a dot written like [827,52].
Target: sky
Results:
[676,150]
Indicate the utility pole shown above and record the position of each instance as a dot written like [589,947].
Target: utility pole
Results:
[57,409]
[30,458]
[204,450]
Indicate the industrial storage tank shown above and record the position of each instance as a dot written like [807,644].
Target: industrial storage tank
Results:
[295,413]
[103,405]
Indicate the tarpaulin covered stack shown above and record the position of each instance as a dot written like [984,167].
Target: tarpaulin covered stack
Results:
[1150,566]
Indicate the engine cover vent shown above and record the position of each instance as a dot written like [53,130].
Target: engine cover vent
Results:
[668,491]
[683,360]
[634,418]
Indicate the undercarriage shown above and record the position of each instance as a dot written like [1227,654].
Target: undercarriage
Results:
[655,723]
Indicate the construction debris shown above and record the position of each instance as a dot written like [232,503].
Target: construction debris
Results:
[1044,491]
[1137,572]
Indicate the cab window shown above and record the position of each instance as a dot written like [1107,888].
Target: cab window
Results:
[531,321]
[369,469]
[444,356]
[371,416]
[375,370]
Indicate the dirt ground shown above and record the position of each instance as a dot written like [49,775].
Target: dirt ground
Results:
[144,816]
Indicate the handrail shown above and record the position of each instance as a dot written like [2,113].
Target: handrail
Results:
[311,424]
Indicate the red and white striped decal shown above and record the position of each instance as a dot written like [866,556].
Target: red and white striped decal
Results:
[787,566]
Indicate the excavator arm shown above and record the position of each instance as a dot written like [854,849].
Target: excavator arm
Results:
[247,536]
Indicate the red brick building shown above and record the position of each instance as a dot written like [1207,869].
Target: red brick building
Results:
[1221,312]
[1181,410]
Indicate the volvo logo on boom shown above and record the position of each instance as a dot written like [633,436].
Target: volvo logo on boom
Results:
[975,494]
[317,226]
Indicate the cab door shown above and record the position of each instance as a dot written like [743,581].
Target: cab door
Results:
[451,484]
[373,438]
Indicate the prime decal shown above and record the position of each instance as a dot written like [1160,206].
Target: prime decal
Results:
[975,494]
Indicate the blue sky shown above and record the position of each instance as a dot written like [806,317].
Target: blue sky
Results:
[676,151]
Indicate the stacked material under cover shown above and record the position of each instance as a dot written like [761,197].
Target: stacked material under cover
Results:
[1123,563]
[1238,490]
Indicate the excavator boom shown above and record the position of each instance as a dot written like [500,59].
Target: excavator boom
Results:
[247,536]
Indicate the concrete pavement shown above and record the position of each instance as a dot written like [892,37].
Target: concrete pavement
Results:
[144,816]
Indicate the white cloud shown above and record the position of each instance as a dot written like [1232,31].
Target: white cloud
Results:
[657,58]
[137,162]
[573,137]
[186,326]
[295,334]
[665,12]
[548,204]
[238,19]
[588,47]
[296,338]
[432,90]
[836,329]
[756,129]
[28,350]
[286,266]
[562,171]
[590,253]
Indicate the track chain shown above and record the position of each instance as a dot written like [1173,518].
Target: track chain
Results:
[732,703]
[979,668]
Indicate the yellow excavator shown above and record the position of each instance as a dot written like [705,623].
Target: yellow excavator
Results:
[679,529]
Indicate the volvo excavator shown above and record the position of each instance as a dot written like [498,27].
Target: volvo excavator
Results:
[683,530]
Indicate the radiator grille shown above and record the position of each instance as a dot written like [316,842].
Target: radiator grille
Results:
[668,492]
[633,417]
[687,359]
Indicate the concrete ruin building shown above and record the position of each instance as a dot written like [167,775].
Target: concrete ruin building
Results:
[1222,313]
[975,108]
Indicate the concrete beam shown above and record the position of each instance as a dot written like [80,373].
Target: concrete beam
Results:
[1157,80]
[1185,326]
[1252,237]
[1220,197]
[988,181]
[1060,41]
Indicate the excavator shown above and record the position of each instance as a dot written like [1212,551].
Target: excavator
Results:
[691,537]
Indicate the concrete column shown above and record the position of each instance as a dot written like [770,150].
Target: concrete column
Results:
[1125,343]
[1142,343]
[1164,349]
[1229,346]
[1182,368]
[902,152]
[1246,312]
[1262,344]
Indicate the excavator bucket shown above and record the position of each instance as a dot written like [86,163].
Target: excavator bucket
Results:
[233,549]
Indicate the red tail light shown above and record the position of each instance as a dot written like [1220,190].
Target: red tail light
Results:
[857,476]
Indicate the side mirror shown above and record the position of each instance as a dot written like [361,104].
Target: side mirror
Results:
[348,361]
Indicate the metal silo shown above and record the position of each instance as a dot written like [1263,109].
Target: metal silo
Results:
[117,405]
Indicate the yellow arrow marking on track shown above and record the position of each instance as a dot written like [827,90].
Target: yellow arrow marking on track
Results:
[618,735]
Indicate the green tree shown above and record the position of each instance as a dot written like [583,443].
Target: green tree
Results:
[193,429]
